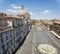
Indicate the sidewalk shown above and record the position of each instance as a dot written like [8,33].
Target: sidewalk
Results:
[27,46]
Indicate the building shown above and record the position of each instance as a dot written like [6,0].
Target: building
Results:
[55,26]
[15,29]
[24,14]
[3,21]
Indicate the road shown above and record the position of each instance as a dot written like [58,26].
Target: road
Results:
[37,37]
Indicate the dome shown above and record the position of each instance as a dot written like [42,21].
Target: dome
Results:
[22,11]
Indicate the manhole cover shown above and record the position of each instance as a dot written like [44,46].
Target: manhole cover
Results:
[47,49]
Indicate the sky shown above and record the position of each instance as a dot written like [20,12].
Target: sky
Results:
[38,9]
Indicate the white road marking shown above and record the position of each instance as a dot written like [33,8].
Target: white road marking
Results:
[39,29]
[33,49]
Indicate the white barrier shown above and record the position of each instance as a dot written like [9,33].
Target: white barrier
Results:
[55,34]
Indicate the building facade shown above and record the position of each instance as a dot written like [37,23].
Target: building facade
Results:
[16,29]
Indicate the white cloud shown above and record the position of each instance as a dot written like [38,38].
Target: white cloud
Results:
[31,13]
[46,11]
[11,10]
[15,7]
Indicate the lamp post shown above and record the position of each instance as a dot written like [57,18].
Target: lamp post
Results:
[29,24]
[22,17]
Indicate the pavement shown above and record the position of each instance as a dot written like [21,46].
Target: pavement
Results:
[37,37]
[27,46]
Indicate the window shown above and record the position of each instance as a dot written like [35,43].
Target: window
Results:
[1,38]
[7,45]
[10,35]
[11,42]
[8,52]
[14,45]
[6,36]
[0,51]
[11,50]
[3,48]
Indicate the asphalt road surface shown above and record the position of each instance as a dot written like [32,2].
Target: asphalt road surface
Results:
[37,37]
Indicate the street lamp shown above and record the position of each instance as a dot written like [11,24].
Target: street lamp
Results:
[25,21]
[29,24]
[22,17]
[29,21]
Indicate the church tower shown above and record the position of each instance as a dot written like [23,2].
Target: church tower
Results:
[23,13]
